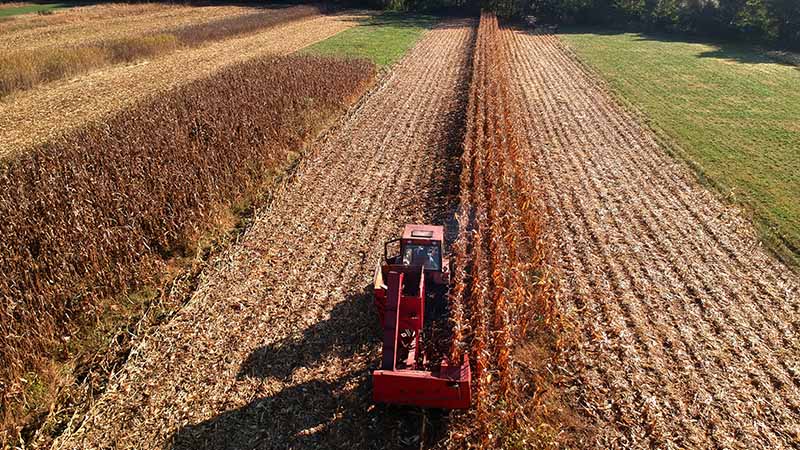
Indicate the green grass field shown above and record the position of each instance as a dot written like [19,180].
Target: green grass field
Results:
[15,11]
[730,110]
[383,39]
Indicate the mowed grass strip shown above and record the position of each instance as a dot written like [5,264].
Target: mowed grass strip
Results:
[730,110]
[382,39]
[32,8]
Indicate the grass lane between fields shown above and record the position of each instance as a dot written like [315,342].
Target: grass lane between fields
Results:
[382,39]
[32,8]
[732,112]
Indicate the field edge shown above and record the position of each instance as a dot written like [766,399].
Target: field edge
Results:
[774,242]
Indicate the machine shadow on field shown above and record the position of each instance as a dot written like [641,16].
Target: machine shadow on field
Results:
[320,413]
[351,329]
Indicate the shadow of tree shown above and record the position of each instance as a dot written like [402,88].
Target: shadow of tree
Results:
[744,55]
[737,51]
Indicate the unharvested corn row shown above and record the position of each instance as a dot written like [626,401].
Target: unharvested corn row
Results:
[502,278]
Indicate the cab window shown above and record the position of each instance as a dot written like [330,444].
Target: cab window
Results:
[428,256]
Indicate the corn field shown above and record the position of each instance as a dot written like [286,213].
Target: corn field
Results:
[503,283]
[23,69]
[603,296]
[97,211]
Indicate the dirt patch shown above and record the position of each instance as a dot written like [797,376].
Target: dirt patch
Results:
[275,347]
[37,115]
[686,327]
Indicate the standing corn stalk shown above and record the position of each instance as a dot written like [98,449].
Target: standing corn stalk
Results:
[502,277]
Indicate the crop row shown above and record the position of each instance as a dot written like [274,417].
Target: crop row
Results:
[502,280]
[23,69]
[95,212]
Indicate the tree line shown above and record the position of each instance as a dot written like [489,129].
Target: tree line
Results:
[771,22]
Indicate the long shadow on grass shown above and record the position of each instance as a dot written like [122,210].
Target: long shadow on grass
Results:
[407,20]
[727,50]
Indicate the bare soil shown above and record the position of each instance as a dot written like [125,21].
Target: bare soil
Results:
[274,349]
[686,329]
[34,116]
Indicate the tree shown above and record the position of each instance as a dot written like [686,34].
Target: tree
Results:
[786,20]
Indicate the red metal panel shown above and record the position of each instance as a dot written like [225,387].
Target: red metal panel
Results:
[380,304]
[437,232]
[411,315]
[394,285]
[450,389]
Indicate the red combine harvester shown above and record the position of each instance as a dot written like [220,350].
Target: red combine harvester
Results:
[403,284]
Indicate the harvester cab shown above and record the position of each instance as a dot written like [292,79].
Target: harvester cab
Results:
[419,246]
[414,274]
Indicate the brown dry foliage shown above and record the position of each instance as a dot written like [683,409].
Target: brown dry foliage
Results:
[24,69]
[95,212]
[197,34]
[503,285]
